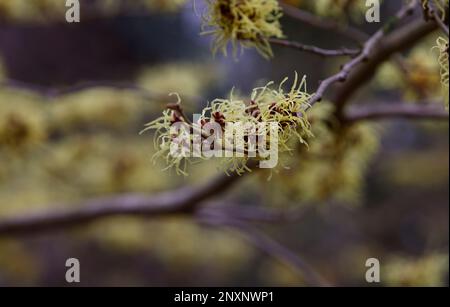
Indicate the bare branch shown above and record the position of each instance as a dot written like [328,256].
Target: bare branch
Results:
[400,110]
[313,49]
[328,25]
[181,201]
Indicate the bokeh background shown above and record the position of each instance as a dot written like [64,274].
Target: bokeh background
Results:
[74,97]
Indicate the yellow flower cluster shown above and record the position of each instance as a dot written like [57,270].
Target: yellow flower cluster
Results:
[22,122]
[429,271]
[441,43]
[187,79]
[36,10]
[27,119]
[442,47]
[104,107]
[245,23]
[419,75]
[265,105]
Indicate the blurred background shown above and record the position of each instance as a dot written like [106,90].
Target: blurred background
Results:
[74,97]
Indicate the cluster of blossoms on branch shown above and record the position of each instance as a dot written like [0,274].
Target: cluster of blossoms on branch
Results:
[245,23]
[252,23]
[438,9]
[284,111]
[442,47]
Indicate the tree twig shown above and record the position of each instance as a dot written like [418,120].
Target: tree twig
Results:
[313,49]
[181,201]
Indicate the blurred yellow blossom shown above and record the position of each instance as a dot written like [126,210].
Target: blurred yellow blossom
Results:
[429,270]
[248,23]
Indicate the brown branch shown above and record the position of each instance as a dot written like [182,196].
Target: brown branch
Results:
[346,69]
[313,49]
[368,52]
[181,201]
[386,111]
[328,25]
